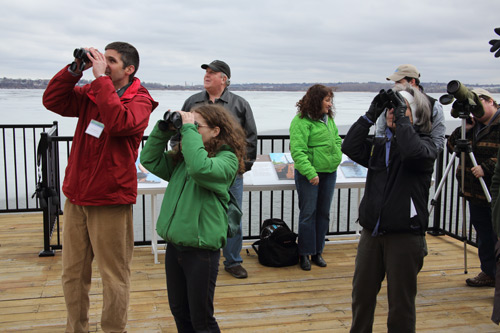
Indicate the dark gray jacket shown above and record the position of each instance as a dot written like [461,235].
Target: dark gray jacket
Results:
[240,108]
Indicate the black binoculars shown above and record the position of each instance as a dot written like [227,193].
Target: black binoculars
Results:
[171,119]
[386,98]
[81,54]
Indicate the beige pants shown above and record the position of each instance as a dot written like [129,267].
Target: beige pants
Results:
[107,233]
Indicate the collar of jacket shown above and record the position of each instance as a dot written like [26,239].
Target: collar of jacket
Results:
[224,97]
[127,95]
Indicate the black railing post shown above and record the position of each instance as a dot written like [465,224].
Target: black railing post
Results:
[48,187]
[42,184]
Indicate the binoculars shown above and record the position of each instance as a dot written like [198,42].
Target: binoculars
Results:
[81,54]
[171,119]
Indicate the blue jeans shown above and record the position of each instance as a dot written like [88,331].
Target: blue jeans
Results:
[191,279]
[234,244]
[480,218]
[314,216]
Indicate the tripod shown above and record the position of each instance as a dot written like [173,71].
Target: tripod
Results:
[463,147]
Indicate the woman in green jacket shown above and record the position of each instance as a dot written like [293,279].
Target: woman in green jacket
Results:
[193,218]
[315,148]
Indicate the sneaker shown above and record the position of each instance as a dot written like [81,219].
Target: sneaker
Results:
[481,280]
[237,271]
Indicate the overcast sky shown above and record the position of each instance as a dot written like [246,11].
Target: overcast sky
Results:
[263,41]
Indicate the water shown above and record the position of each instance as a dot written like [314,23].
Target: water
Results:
[273,110]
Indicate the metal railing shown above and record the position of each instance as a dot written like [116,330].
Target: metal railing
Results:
[257,206]
[18,169]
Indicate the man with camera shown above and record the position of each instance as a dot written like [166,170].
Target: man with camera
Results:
[409,74]
[100,182]
[483,134]
[216,82]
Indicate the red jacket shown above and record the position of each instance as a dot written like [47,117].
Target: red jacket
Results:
[101,171]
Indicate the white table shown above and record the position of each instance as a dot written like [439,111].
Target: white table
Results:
[262,177]
[153,189]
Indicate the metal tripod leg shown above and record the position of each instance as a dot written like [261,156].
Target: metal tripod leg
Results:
[441,183]
[481,180]
[464,210]
[463,146]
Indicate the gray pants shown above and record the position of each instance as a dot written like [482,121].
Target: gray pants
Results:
[400,257]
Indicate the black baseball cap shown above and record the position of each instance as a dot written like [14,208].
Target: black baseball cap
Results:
[218,66]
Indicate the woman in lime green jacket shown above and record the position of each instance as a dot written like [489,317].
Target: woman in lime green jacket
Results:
[315,149]
[193,218]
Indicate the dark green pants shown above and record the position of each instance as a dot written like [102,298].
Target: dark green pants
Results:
[400,257]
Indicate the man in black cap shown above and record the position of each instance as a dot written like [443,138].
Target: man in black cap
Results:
[215,82]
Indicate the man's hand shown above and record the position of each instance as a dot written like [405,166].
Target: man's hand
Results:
[98,62]
[477,171]
[495,44]
[470,123]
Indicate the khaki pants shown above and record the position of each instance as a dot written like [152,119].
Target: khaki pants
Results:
[105,232]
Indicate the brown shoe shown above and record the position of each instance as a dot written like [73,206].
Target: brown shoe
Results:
[481,280]
[237,271]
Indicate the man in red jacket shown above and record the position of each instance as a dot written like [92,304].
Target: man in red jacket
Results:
[100,183]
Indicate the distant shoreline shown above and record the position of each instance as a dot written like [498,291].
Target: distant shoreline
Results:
[429,87]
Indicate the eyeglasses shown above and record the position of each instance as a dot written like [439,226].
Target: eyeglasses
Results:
[198,125]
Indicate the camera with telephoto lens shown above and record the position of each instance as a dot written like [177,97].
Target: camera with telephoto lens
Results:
[171,119]
[81,54]
[466,102]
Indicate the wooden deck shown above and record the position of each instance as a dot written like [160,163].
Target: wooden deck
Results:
[270,300]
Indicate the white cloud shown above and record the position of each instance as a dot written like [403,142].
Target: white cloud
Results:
[262,41]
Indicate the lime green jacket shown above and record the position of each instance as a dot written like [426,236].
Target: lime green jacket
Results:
[193,212]
[315,146]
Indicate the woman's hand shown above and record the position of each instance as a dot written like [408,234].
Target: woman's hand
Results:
[187,117]
[314,181]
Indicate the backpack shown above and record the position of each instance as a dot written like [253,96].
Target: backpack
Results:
[277,246]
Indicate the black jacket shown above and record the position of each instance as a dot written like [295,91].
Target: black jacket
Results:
[390,191]
[485,142]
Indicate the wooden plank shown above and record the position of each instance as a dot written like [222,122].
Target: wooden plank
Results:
[270,299]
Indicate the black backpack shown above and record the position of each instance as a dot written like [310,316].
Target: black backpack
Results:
[277,246]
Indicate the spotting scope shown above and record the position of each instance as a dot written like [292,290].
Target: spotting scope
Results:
[466,102]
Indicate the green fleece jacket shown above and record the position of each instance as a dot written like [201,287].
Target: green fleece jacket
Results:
[193,212]
[315,146]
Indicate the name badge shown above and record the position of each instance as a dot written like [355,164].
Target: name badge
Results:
[95,128]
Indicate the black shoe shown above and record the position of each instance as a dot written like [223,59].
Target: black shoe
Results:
[318,260]
[305,264]
[237,271]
